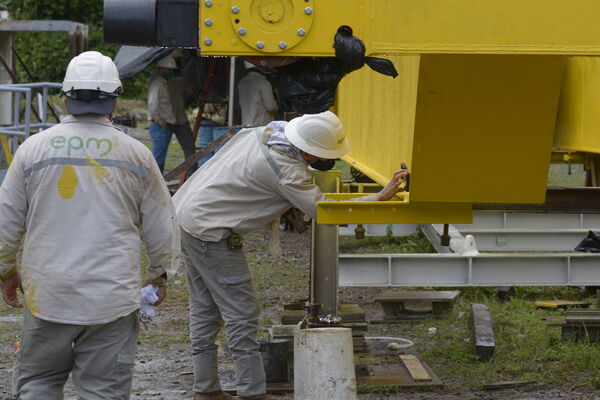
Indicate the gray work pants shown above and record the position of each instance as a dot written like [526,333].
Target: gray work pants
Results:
[100,357]
[221,290]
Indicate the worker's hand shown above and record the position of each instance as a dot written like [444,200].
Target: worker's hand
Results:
[161,292]
[9,290]
[393,186]
[163,124]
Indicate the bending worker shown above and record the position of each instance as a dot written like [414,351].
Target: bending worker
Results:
[256,176]
[84,196]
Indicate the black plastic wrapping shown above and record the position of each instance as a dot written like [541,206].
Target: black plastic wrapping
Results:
[591,244]
[308,86]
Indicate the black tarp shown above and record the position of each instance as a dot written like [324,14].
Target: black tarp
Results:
[131,60]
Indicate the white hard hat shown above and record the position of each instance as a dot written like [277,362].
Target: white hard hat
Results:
[92,71]
[167,62]
[320,135]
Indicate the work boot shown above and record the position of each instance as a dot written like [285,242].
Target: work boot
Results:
[220,395]
[255,397]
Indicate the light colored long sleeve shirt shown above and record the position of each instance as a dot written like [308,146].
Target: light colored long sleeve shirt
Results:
[160,107]
[244,186]
[257,101]
[83,196]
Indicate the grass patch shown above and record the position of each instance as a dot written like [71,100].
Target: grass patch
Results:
[415,243]
[526,349]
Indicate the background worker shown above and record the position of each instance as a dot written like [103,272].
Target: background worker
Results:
[83,195]
[166,108]
[256,97]
[256,176]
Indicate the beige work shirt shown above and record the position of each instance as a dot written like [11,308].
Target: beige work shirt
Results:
[256,99]
[242,187]
[166,101]
[85,196]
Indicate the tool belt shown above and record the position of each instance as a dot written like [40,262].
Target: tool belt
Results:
[234,241]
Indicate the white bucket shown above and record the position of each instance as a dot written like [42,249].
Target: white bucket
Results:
[324,364]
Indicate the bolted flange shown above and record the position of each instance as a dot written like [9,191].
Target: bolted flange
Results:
[260,44]
[235,9]
[301,32]
[242,31]
[282,45]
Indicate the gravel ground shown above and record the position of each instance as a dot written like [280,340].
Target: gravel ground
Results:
[163,366]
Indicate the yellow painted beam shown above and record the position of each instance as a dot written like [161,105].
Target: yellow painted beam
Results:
[578,120]
[307,27]
[344,211]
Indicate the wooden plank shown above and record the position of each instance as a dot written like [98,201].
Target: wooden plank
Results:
[561,304]
[483,332]
[418,295]
[415,368]
[194,158]
[506,385]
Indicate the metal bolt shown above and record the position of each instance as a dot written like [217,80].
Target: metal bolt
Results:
[235,9]
[208,22]
[301,32]
[242,31]
[282,45]
[208,41]
[260,44]
[208,3]
[308,10]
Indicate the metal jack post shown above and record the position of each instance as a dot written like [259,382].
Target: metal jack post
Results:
[324,253]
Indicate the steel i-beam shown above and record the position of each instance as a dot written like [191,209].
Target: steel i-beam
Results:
[324,253]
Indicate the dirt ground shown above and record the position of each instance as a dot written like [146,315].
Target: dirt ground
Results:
[163,367]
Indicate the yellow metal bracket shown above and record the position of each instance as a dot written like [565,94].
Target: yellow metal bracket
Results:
[399,211]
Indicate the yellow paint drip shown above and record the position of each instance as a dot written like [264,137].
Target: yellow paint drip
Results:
[67,183]
[99,171]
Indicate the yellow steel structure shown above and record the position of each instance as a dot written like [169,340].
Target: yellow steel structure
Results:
[234,27]
[474,108]
[578,121]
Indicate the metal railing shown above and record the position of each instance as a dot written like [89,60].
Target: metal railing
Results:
[23,128]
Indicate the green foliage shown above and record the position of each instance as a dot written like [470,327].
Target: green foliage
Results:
[47,54]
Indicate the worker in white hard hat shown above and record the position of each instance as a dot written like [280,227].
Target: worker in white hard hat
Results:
[257,100]
[83,196]
[167,113]
[256,176]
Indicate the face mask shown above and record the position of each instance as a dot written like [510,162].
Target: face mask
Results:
[323,165]
[168,75]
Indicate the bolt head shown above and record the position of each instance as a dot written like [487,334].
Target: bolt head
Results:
[242,31]
[308,10]
[208,3]
[260,44]
[301,32]
[208,22]
[235,9]
[282,45]
[208,41]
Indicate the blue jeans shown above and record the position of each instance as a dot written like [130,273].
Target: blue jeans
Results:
[161,137]
[210,131]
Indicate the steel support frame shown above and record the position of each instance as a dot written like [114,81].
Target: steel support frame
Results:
[529,231]
[324,253]
[18,129]
[455,270]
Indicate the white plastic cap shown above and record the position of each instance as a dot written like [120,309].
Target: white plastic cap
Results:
[92,71]
[167,62]
[321,135]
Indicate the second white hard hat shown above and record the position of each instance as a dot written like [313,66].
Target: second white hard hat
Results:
[167,62]
[92,71]
[321,135]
